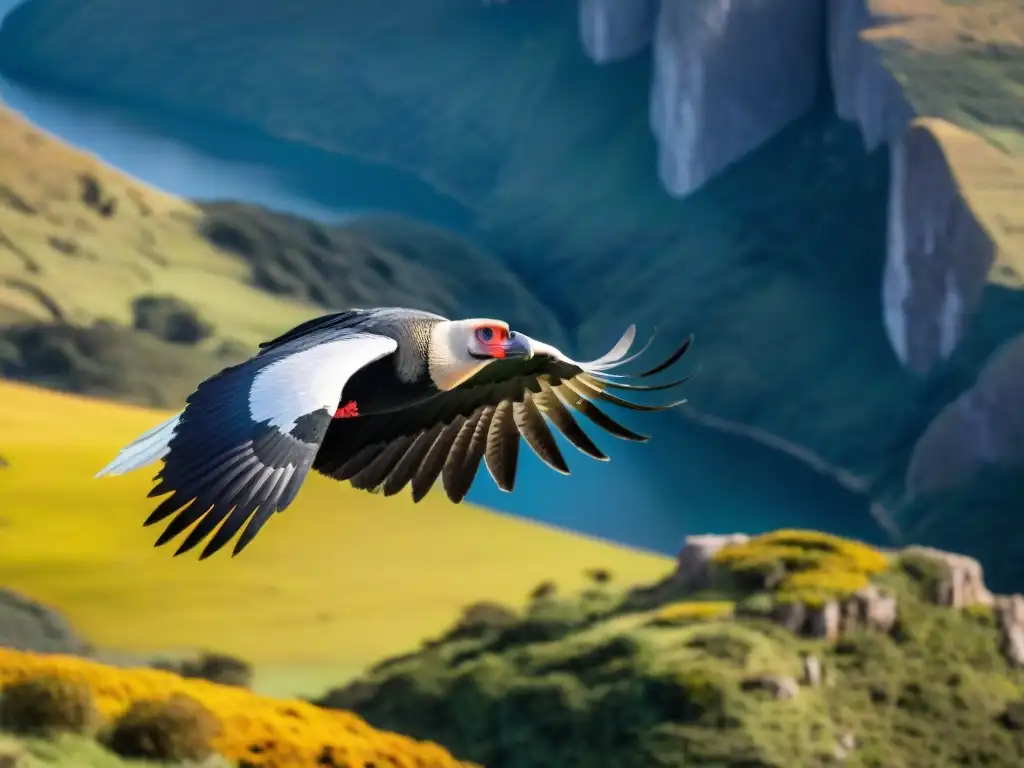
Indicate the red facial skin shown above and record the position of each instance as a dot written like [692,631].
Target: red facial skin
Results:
[348,411]
[494,345]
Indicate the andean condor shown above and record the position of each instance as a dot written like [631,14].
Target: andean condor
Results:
[383,398]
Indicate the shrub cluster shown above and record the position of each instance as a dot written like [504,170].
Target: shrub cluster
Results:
[48,704]
[161,715]
[173,730]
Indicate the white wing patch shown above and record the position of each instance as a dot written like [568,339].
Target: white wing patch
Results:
[310,380]
[145,449]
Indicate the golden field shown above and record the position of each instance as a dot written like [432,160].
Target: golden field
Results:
[341,579]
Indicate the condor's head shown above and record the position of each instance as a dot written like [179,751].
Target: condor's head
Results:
[460,348]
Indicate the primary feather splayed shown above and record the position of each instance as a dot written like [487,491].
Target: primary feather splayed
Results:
[383,398]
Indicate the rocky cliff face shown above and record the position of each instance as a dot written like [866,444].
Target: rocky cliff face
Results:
[954,222]
[955,227]
[616,29]
[941,247]
[805,241]
[709,105]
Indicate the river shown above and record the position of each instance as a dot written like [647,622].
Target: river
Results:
[688,479]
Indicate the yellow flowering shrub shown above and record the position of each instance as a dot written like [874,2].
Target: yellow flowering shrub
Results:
[254,728]
[804,566]
[680,613]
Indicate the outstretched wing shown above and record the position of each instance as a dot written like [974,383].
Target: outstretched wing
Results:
[246,439]
[483,419]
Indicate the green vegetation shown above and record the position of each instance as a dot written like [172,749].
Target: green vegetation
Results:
[76,752]
[53,720]
[566,685]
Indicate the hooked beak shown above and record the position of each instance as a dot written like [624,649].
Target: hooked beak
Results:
[518,345]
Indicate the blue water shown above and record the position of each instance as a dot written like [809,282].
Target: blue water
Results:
[688,479]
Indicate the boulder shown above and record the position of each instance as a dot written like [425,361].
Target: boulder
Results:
[694,565]
[964,582]
[1010,616]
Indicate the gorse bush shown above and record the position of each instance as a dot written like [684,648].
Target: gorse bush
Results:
[803,566]
[174,730]
[250,728]
[48,704]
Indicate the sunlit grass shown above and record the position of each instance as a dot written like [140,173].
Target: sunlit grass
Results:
[339,580]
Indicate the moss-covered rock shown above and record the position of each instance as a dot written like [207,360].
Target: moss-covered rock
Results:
[693,681]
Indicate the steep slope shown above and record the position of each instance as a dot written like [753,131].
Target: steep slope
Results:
[342,578]
[789,649]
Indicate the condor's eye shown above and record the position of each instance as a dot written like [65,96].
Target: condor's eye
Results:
[489,335]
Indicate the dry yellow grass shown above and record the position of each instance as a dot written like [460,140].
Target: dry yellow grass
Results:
[339,580]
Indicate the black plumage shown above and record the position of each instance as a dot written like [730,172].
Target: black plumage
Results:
[534,393]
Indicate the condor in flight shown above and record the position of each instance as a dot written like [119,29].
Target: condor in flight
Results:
[383,398]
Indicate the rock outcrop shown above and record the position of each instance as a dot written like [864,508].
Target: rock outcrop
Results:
[962,581]
[1010,614]
[695,567]
[826,608]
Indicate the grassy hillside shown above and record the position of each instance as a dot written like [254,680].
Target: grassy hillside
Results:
[342,578]
[82,240]
[113,288]
[791,649]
